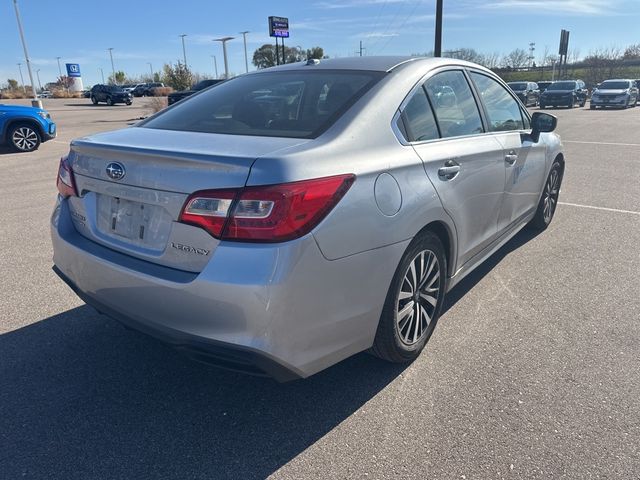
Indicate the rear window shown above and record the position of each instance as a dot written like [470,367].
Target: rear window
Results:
[277,104]
[518,85]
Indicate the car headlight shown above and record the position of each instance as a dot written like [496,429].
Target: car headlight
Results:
[44,115]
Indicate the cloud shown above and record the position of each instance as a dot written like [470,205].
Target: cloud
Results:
[354,3]
[575,7]
[376,35]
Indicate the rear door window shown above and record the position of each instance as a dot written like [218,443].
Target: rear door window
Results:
[418,118]
[454,106]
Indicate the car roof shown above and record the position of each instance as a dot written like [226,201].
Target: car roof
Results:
[380,64]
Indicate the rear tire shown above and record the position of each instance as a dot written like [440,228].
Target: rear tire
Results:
[24,137]
[109,101]
[592,107]
[413,302]
[94,100]
[549,199]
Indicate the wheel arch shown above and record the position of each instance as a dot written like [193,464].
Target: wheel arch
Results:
[18,120]
[448,238]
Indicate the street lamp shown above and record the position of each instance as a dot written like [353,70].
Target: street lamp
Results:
[150,70]
[184,50]
[246,61]
[35,102]
[224,41]
[24,89]
[101,73]
[59,69]
[113,69]
[38,75]
[215,65]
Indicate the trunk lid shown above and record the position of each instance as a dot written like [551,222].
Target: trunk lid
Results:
[136,213]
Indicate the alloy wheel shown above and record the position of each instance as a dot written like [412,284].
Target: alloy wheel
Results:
[25,139]
[551,195]
[418,297]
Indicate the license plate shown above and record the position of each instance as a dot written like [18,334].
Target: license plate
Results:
[133,222]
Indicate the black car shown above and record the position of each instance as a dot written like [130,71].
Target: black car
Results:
[564,93]
[146,90]
[201,85]
[527,92]
[111,94]
[543,84]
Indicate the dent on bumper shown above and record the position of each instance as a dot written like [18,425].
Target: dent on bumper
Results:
[279,304]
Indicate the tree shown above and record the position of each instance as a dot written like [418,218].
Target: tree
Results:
[119,80]
[177,76]
[632,52]
[518,58]
[13,84]
[265,56]
[65,82]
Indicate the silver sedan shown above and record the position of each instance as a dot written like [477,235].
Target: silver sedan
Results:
[286,219]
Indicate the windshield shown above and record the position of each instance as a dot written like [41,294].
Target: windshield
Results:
[278,104]
[518,85]
[562,86]
[614,85]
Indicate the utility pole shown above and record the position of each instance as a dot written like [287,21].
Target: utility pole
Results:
[215,66]
[246,61]
[150,70]
[24,89]
[361,48]
[101,73]
[437,46]
[38,75]
[35,102]
[113,69]
[224,41]
[184,50]
[532,47]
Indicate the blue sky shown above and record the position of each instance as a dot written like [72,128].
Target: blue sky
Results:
[141,31]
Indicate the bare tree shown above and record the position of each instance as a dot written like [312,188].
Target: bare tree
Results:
[518,58]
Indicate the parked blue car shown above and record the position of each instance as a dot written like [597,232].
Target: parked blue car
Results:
[24,128]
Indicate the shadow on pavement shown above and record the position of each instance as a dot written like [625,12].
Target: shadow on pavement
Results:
[82,397]
[522,237]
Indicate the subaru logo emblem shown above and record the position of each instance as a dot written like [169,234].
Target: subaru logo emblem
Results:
[115,171]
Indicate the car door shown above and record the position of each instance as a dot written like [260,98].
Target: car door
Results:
[523,159]
[464,165]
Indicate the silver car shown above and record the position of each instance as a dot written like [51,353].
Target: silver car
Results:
[286,219]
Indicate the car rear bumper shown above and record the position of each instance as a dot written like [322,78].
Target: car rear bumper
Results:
[281,310]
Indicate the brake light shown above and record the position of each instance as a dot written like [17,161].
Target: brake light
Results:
[65,182]
[273,213]
[208,209]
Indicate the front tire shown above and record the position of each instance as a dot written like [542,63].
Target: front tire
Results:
[94,100]
[549,200]
[413,302]
[24,137]
[109,101]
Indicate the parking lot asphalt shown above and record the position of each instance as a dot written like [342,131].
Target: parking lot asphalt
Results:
[533,371]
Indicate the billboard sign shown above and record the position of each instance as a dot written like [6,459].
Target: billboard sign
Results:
[73,70]
[279,27]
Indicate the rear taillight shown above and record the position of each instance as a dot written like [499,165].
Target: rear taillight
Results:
[65,181]
[273,213]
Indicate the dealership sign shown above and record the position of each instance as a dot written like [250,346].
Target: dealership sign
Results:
[279,27]
[73,70]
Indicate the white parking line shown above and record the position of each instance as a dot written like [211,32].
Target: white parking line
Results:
[617,210]
[603,143]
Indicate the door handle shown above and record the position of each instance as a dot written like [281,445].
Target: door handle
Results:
[451,169]
[511,157]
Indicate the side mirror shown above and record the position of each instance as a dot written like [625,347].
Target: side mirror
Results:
[542,122]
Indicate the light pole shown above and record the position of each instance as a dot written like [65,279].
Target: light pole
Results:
[184,50]
[246,61]
[113,69]
[24,89]
[224,41]
[215,65]
[59,69]
[101,73]
[35,102]
[150,70]
[38,75]
[437,48]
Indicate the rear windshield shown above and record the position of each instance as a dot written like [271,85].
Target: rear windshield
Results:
[614,85]
[274,104]
[518,85]
[562,86]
